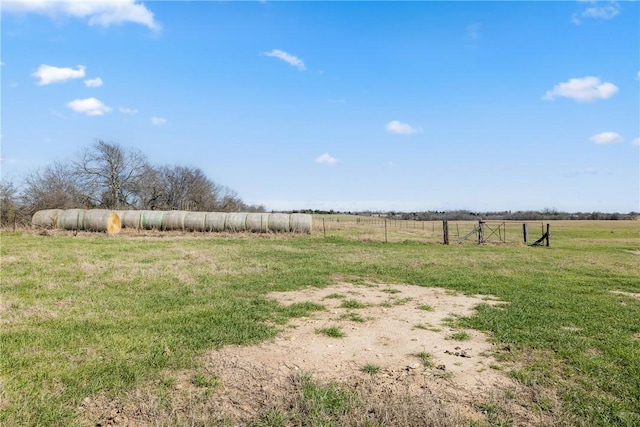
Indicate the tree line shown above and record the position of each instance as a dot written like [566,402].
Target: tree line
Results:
[466,215]
[108,176]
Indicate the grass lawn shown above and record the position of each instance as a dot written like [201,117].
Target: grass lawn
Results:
[92,313]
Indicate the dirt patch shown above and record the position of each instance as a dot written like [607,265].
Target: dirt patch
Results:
[627,294]
[405,332]
[397,322]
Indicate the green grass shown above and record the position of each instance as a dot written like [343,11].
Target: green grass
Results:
[331,331]
[370,369]
[95,314]
[459,336]
[206,381]
[425,307]
[316,404]
[427,327]
[425,358]
[354,317]
[352,304]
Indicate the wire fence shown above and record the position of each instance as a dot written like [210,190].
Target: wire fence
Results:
[459,232]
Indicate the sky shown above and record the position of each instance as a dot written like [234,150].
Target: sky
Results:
[401,106]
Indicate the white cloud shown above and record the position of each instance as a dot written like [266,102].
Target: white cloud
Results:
[638,75]
[595,11]
[130,111]
[400,128]
[292,60]
[97,82]
[582,89]
[636,141]
[158,121]
[606,138]
[327,159]
[89,106]
[98,12]
[50,74]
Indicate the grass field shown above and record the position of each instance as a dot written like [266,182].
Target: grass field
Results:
[371,228]
[96,314]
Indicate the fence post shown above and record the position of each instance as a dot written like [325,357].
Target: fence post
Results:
[385,230]
[480,231]
[525,232]
[324,230]
[445,229]
[548,234]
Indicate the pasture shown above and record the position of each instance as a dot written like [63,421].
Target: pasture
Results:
[88,317]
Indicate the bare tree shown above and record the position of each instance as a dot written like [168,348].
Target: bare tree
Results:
[54,187]
[187,188]
[109,174]
[149,189]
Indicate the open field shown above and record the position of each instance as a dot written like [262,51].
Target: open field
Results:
[460,232]
[129,329]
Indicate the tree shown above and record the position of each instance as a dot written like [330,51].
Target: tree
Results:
[8,202]
[55,187]
[109,174]
[187,188]
[149,190]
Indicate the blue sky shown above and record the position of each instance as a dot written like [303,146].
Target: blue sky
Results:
[339,105]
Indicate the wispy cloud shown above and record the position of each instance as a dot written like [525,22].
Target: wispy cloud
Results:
[326,159]
[97,82]
[607,138]
[595,10]
[292,60]
[636,141]
[158,121]
[98,12]
[49,74]
[582,89]
[89,106]
[130,111]
[400,128]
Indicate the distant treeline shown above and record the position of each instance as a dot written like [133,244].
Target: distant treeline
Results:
[466,215]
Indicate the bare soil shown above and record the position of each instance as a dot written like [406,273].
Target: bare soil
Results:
[461,380]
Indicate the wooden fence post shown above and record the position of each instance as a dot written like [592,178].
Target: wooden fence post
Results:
[480,231]
[525,232]
[548,234]
[385,230]
[445,229]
